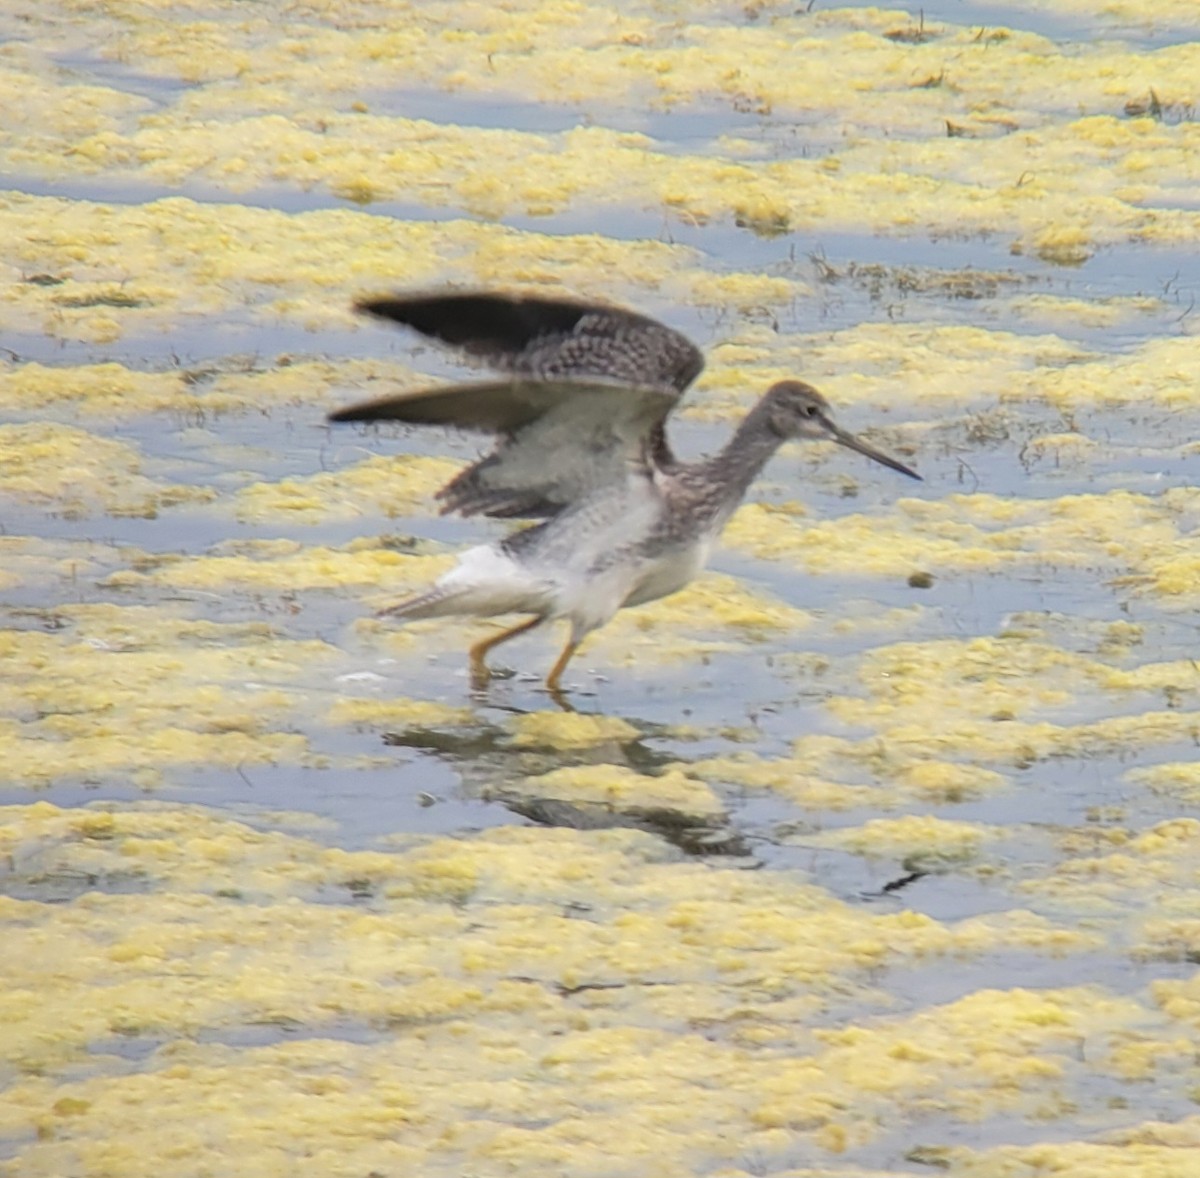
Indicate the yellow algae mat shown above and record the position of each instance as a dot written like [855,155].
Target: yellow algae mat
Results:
[873,852]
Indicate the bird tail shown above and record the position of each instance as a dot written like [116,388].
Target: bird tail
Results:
[445,601]
[484,583]
[433,603]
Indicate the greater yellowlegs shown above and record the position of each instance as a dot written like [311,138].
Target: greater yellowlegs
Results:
[579,421]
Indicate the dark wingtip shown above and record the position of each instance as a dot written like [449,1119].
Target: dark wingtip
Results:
[377,409]
[485,323]
[383,307]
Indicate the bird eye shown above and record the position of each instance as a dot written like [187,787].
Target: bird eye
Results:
[810,410]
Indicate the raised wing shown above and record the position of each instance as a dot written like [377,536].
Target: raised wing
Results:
[547,337]
[559,440]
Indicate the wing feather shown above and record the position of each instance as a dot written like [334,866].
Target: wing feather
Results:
[547,336]
[557,440]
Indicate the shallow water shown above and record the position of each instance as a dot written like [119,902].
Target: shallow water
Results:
[271,885]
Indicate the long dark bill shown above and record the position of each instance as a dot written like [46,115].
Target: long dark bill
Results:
[852,443]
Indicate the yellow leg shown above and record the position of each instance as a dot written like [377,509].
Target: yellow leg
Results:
[552,680]
[479,652]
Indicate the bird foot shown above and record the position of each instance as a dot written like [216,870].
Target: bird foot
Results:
[559,696]
[482,676]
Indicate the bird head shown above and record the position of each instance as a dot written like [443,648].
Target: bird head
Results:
[797,410]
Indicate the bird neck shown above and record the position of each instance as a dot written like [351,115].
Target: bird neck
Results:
[741,460]
[752,446]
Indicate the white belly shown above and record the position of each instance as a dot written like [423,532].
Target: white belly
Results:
[669,574]
[583,565]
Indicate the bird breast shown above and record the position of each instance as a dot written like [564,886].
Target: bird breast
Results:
[669,572]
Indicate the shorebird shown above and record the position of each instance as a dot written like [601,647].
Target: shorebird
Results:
[580,445]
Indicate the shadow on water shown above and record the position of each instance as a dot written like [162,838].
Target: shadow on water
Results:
[507,773]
